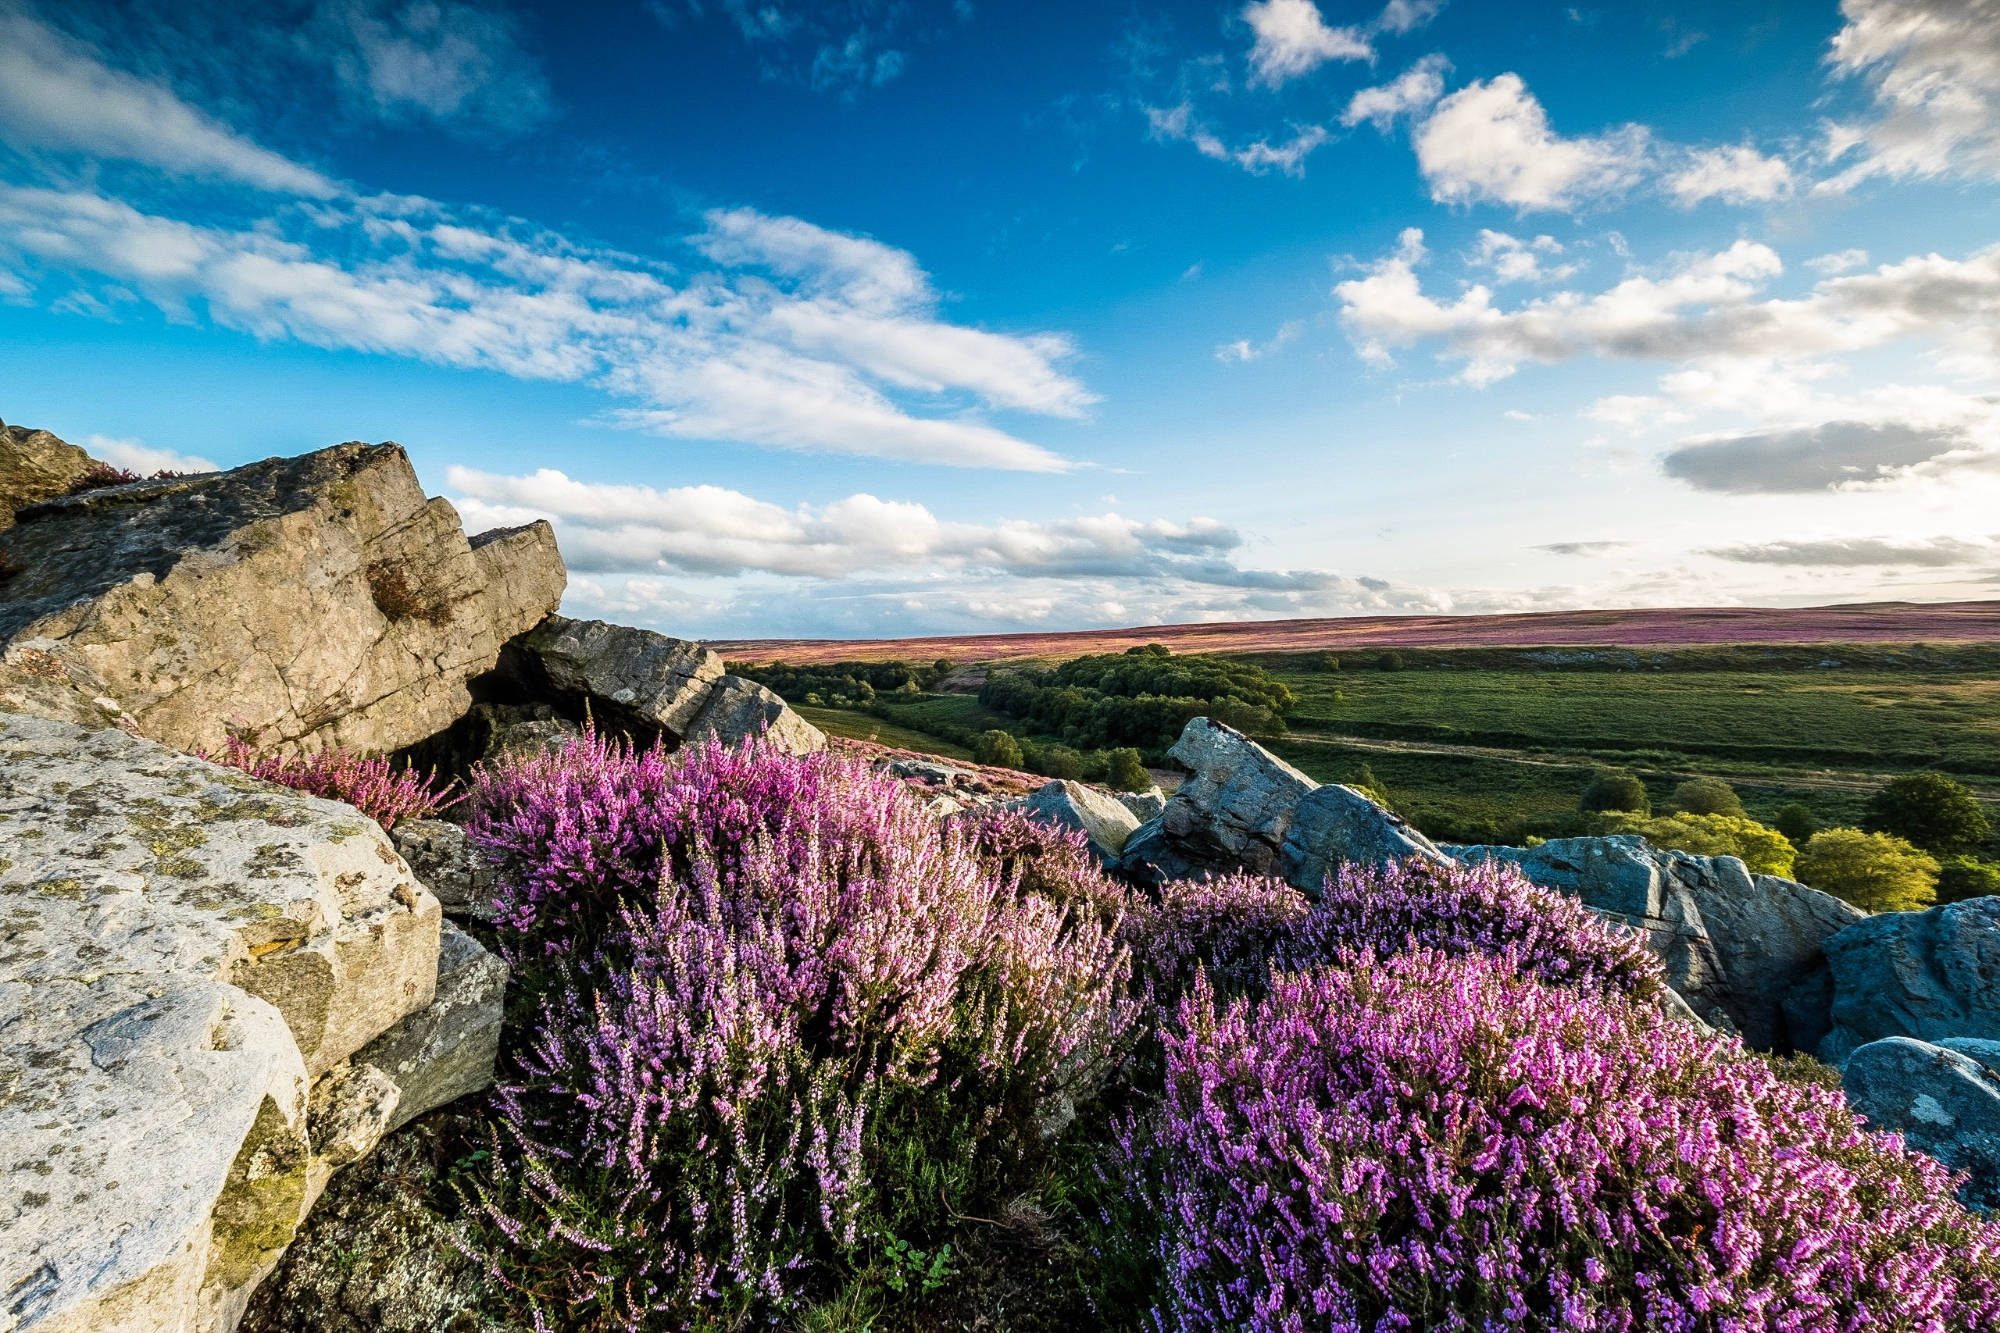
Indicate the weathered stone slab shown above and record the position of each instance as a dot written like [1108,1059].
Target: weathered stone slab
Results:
[1931,975]
[445,1050]
[738,709]
[1942,1101]
[182,949]
[444,861]
[35,466]
[1100,816]
[295,602]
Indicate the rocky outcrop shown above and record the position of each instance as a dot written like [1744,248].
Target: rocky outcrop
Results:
[296,602]
[185,953]
[1742,950]
[444,861]
[1144,805]
[1942,1101]
[1100,816]
[1931,975]
[35,466]
[1243,808]
[377,1255]
[445,1050]
[648,685]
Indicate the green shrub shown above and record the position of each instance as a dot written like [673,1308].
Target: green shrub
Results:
[1764,850]
[1930,810]
[1615,789]
[1707,796]
[1058,761]
[1877,872]
[1962,877]
[998,748]
[1125,772]
[1795,821]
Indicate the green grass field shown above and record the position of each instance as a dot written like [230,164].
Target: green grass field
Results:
[1481,743]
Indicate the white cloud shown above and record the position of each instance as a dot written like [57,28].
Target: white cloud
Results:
[1292,38]
[1514,260]
[1842,552]
[804,341]
[1739,175]
[1415,89]
[459,65]
[1933,69]
[1243,349]
[1401,16]
[56,94]
[1491,142]
[137,456]
[1179,123]
[1703,306]
[1840,261]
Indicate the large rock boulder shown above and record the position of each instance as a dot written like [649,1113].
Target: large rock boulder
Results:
[444,861]
[35,466]
[1100,816]
[648,685]
[295,602]
[1942,1101]
[1932,975]
[184,952]
[445,1050]
[1743,950]
[1243,808]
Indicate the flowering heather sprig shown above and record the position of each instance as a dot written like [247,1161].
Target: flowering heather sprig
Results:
[589,827]
[820,993]
[384,793]
[1050,860]
[1483,909]
[1430,1142]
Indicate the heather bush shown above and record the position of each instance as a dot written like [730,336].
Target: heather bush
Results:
[373,786]
[1438,1142]
[816,1022]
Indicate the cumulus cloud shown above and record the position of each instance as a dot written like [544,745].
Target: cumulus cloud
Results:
[1932,68]
[459,65]
[1738,175]
[1828,456]
[803,339]
[57,94]
[1840,261]
[1701,306]
[714,531]
[1514,260]
[1855,552]
[137,456]
[1293,38]
[1415,89]
[1491,142]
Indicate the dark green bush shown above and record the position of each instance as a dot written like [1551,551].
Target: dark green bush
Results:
[1937,813]
[1707,796]
[1138,699]
[1125,772]
[998,748]
[1615,789]
[1796,821]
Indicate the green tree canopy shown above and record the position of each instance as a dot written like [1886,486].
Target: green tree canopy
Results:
[1877,872]
[1615,789]
[1707,796]
[1931,810]
[1962,877]
[1764,850]
[1125,772]
[998,748]
[1796,821]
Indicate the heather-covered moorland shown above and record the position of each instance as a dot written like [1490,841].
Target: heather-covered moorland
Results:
[790,1050]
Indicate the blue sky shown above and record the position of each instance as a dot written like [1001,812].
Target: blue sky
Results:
[879,317]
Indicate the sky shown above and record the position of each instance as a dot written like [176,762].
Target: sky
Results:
[869,318]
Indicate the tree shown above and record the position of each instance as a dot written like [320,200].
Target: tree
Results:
[1124,772]
[1059,761]
[1374,789]
[1390,661]
[1962,877]
[1615,789]
[997,748]
[1764,850]
[1707,796]
[1930,810]
[1796,822]
[1877,872]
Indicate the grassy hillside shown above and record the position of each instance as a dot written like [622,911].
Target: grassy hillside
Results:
[1482,743]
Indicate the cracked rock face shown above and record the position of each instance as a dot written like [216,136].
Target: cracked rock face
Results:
[183,950]
[648,684]
[296,602]
[35,466]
